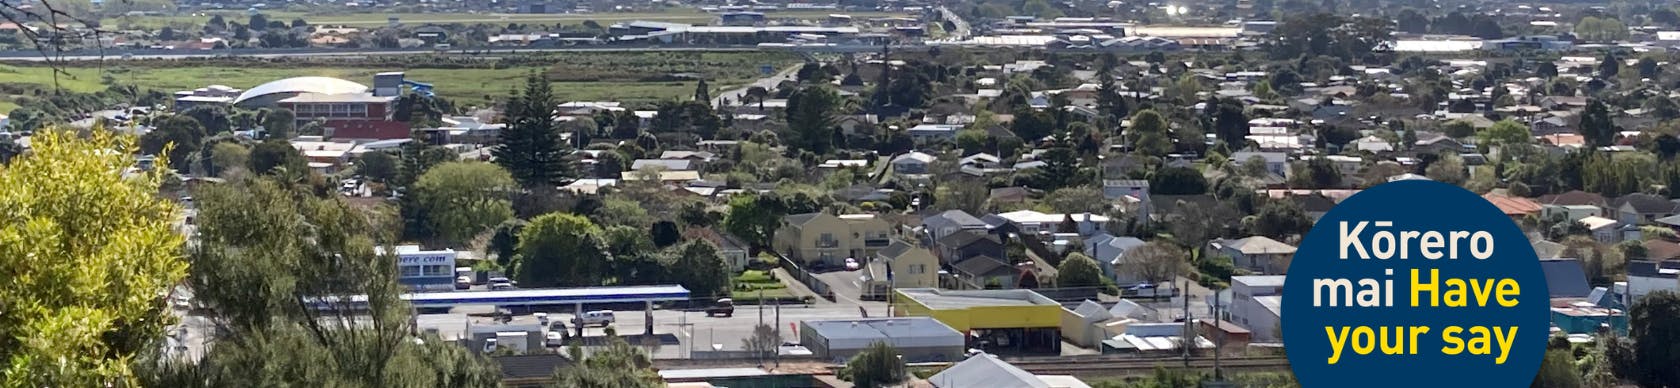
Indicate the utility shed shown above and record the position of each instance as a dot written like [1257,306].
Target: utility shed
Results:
[919,339]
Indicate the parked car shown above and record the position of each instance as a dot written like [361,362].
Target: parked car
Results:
[554,339]
[602,317]
[463,283]
[500,283]
[542,318]
[724,307]
[852,264]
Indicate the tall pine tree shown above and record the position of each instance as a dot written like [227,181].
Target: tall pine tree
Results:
[703,92]
[531,148]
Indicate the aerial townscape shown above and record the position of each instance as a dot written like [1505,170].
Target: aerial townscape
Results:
[721,193]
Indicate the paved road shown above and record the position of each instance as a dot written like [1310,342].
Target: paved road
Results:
[735,96]
[962,31]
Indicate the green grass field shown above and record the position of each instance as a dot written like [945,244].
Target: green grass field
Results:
[628,77]
[679,15]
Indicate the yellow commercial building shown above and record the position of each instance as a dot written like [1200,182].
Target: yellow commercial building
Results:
[1008,320]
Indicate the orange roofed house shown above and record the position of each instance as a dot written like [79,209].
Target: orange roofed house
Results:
[1515,207]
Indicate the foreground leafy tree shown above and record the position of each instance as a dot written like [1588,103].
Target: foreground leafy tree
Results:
[619,365]
[86,253]
[286,272]
[1656,335]
[877,366]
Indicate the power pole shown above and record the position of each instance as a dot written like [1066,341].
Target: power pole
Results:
[1189,335]
[1219,339]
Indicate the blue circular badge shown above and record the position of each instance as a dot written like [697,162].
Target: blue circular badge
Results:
[1415,284]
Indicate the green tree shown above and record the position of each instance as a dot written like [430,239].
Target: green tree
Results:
[270,155]
[1506,132]
[879,365]
[1230,122]
[1149,134]
[618,365]
[1079,270]
[463,199]
[702,269]
[810,115]
[665,233]
[1279,220]
[181,135]
[226,156]
[559,249]
[1557,370]
[1655,321]
[88,254]
[1449,169]
[754,218]
[267,255]
[279,123]
[1032,125]
[1596,124]
[1076,199]
[1319,172]
[378,166]
[531,149]
[1178,181]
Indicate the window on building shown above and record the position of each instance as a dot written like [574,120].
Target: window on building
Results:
[410,271]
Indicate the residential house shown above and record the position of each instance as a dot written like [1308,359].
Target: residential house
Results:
[1276,162]
[1034,222]
[900,265]
[735,252]
[664,164]
[948,222]
[1641,208]
[1558,126]
[934,133]
[1576,198]
[912,163]
[1436,143]
[1256,253]
[698,156]
[1256,304]
[1563,102]
[1116,189]
[1374,144]
[966,244]
[1515,207]
[1107,250]
[984,272]
[1316,205]
[981,160]
[1604,230]
[1645,277]
[828,239]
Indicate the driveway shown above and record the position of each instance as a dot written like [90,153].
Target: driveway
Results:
[847,285]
